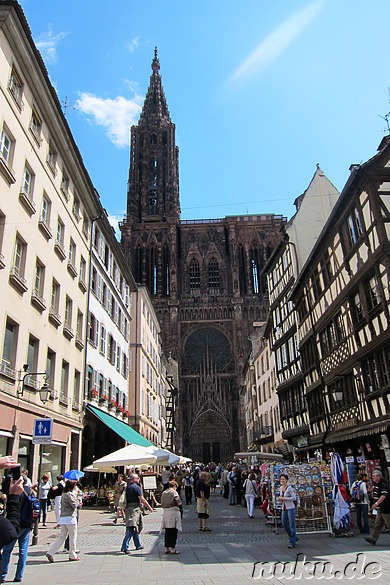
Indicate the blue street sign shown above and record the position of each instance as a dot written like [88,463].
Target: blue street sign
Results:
[43,431]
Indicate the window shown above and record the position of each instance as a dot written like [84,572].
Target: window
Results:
[15,87]
[60,232]
[85,226]
[50,367]
[59,243]
[6,155]
[51,160]
[76,388]
[26,191]
[16,276]
[358,308]
[124,365]
[68,311]
[355,226]
[55,296]
[5,146]
[83,270]
[79,326]
[102,340]
[39,278]
[64,379]
[93,330]
[9,346]
[374,292]
[118,358]
[36,127]
[76,207]
[32,353]
[72,252]
[27,182]
[213,273]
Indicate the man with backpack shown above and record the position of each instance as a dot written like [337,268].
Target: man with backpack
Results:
[359,497]
[29,513]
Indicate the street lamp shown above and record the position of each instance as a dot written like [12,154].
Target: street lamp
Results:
[337,391]
[44,390]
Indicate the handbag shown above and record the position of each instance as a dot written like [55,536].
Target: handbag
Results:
[122,500]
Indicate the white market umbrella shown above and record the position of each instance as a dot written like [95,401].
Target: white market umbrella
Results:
[92,469]
[130,455]
[184,460]
[164,457]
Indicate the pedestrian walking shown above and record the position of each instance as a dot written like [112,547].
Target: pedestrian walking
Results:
[202,494]
[68,522]
[188,483]
[381,506]
[119,488]
[44,487]
[288,497]
[251,491]
[361,501]
[233,482]
[133,514]
[171,518]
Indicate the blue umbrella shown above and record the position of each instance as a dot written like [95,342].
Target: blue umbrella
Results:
[74,474]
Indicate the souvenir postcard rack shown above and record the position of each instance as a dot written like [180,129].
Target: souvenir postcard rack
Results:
[309,483]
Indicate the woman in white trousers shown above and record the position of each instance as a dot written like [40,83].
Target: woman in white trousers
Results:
[68,522]
[251,492]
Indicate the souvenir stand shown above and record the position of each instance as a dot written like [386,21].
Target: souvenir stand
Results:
[311,483]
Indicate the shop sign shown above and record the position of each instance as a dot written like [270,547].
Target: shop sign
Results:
[342,425]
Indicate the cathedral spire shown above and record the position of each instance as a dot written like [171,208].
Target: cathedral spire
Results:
[155,109]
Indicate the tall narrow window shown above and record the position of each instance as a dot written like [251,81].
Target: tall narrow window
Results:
[55,296]
[76,388]
[19,257]
[15,86]
[39,278]
[194,275]
[50,367]
[255,268]
[36,127]
[10,345]
[213,274]
[242,270]
[32,354]
[64,379]
[5,146]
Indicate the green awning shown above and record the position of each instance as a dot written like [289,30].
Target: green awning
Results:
[120,428]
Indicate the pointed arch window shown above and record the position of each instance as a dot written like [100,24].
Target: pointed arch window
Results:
[213,274]
[152,202]
[194,275]
[255,269]
[152,271]
[165,269]
[242,270]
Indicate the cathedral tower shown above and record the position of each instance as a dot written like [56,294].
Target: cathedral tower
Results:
[204,277]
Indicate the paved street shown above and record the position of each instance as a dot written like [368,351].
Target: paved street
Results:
[226,555]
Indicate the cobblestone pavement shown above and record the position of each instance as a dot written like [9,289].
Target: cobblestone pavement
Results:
[226,555]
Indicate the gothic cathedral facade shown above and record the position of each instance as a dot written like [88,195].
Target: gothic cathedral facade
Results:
[205,280]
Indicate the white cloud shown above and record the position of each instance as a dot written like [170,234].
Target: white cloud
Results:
[133,45]
[116,115]
[114,222]
[275,44]
[47,44]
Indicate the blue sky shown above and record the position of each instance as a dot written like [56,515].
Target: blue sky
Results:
[259,90]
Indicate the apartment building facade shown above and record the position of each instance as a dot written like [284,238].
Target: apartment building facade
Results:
[107,351]
[47,202]
[147,392]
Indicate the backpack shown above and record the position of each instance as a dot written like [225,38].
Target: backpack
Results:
[29,512]
[357,494]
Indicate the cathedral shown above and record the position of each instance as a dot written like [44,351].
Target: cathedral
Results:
[205,280]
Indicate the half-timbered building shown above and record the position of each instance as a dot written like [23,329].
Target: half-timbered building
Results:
[342,298]
[313,209]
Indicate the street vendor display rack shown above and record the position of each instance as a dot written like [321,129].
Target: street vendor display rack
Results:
[311,484]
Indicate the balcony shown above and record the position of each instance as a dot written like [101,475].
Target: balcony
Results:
[36,133]
[7,370]
[79,342]
[54,317]
[45,228]
[59,249]
[6,170]
[27,202]
[72,269]
[38,301]
[68,331]
[76,406]
[51,163]
[17,280]
[2,263]
[263,435]
[64,400]
[83,285]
